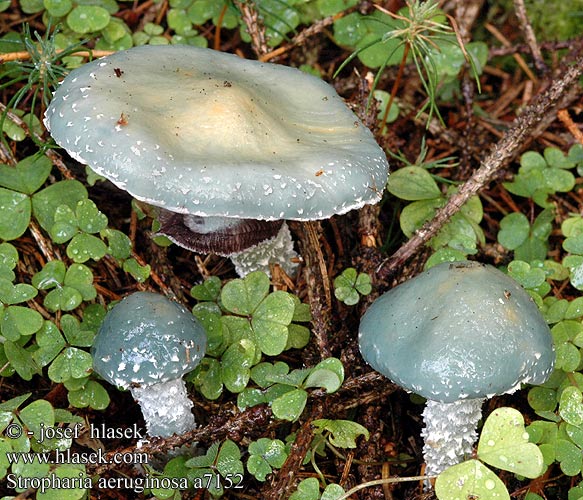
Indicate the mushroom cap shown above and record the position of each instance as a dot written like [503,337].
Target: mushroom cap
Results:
[146,339]
[459,330]
[207,133]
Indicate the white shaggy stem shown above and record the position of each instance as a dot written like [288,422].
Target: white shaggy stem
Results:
[449,433]
[277,250]
[166,408]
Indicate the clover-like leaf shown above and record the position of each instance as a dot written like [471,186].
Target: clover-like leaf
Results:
[343,433]
[349,284]
[328,374]
[470,479]
[119,244]
[571,406]
[569,456]
[542,399]
[51,275]
[8,257]
[209,290]
[27,175]
[46,202]
[229,459]
[92,394]
[264,455]
[383,98]
[84,247]
[15,210]
[88,18]
[250,397]
[37,414]
[65,224]
[62,298]
[308,489]
[208,377]
[17,321]
[514,229]
[413,183]
[270,321]
[58,8]
[302,311]
[504,443]
[414,215]
[136,270]
[80,278]
[265,374]
[75,333]
[206,460]
[93,316]
[72,363]
[298,336]
[78,285]
[235,328]
[574,244]
[50,343]
[242,296]
[32,469]
[21,360]
[89,218]
[332,492]
[73,475]
[236,363]
[532,160]
[15,294]
[14,403]
[290,405]
[526,275]
[555,158]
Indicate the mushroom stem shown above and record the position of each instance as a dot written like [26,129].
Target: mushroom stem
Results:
[277,250]
[166,407]
[449,433]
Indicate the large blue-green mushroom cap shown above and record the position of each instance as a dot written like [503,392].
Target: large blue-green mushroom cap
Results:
[201,132]
[147,339]
[459,330]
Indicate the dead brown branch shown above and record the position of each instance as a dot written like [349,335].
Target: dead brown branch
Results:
[532,121]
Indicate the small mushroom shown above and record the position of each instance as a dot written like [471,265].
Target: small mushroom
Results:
[146,344]
[203,134]
[456,334]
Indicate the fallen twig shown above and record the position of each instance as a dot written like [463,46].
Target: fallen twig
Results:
[527,124]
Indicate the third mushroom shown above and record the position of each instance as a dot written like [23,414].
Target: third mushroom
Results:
[456,334]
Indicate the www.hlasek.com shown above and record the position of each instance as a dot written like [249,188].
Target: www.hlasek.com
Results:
[82,481]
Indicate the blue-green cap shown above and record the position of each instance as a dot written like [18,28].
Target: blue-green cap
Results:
[459,330]
[146,339]
[202,132]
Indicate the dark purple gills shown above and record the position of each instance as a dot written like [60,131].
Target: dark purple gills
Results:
[218,235]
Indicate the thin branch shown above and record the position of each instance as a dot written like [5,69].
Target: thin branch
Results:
[570,125]
[318,281]
[529,37]
[517,57]
[304,35]
[255,26]
[527,124]
[23,56]
[551,46]
[241,424]
[281,485]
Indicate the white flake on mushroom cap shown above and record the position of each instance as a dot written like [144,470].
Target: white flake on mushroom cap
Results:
[235,138]
[456,334]
[145,344]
